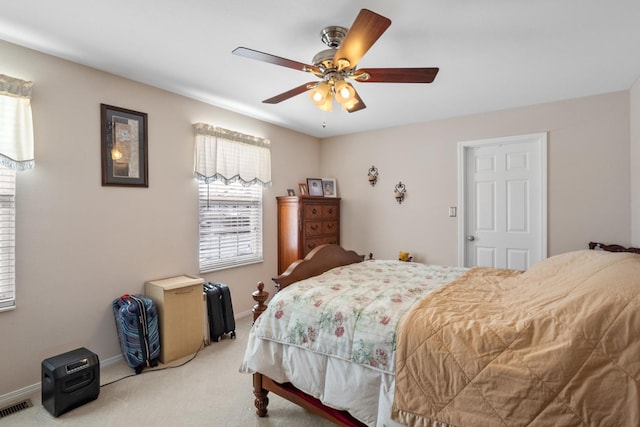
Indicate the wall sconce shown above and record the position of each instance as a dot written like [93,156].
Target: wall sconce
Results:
[400,192]
[373,176]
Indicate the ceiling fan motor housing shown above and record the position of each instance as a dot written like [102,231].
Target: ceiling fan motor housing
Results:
[324,59]
[332,36]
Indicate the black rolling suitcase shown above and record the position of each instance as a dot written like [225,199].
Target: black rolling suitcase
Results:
[220,311]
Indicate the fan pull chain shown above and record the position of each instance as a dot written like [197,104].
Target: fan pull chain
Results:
[324,122]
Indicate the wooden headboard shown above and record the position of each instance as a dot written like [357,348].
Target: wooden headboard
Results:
[613,248]
[319,260]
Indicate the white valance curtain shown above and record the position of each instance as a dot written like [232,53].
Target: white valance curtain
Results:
[16,124]
[228,156]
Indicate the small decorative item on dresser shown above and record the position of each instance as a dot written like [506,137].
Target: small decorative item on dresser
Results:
[291,192]
[315,187]
[373,176]
[329,187]
[400,192]
[302,189]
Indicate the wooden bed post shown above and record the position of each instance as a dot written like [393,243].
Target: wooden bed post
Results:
[261,401]
[259,296]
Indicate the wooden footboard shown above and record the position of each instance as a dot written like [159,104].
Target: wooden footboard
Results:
[321,259]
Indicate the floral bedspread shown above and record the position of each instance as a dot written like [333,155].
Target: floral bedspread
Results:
[352,312]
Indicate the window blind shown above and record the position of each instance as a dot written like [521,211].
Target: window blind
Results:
[230,225]
[7,238]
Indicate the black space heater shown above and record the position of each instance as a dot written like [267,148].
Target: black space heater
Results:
[69,380]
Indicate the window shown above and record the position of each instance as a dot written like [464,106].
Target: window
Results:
[7,239]
[230,225]
[232,168]
[16,154]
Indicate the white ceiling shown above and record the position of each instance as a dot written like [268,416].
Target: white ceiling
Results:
[492,54]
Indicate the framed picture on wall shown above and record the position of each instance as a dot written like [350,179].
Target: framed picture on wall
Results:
[315,187]
[124,147]
[329,187]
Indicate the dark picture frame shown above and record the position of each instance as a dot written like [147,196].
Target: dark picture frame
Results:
[124,147]
[314,185]
[291,192]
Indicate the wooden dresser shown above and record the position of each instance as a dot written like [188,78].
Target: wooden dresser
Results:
[303,224]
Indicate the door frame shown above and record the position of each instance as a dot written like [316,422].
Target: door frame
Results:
[463,147]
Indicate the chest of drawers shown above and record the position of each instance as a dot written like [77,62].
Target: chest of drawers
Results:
[303,224]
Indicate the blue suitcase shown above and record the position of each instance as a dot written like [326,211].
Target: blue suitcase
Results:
[137,324]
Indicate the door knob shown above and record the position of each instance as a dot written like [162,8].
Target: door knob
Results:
[471,238]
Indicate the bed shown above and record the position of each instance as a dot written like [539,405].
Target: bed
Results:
[554,345]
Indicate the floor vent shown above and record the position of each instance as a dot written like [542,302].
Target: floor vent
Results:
[5,412]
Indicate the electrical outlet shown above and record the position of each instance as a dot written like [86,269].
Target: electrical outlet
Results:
[453,211]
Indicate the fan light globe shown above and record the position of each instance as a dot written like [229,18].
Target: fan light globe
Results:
[321,95]
[328,104]
[344,92]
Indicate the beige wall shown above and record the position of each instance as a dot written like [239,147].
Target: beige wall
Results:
[634,159]
[80,245]
[588,177]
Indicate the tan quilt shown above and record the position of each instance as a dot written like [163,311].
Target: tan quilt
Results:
[558,345]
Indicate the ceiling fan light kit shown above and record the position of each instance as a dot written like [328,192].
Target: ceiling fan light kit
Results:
[334,66]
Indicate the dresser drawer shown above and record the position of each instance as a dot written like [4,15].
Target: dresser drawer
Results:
[329,212]
[313,211]
[313,228]
[329,227]
[310,244]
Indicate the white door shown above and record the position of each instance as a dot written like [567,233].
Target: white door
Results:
[503,214]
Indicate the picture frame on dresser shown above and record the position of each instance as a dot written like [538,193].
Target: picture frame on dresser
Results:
[302,189]
[329,187]
[314,185]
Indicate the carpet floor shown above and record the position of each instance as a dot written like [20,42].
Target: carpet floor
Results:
[206,391]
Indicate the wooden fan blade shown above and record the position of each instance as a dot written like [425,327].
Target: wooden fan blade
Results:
[272,59]
[290,93]
[396,75]
[366,29]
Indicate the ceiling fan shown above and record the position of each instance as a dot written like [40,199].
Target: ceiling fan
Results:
[337,65]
